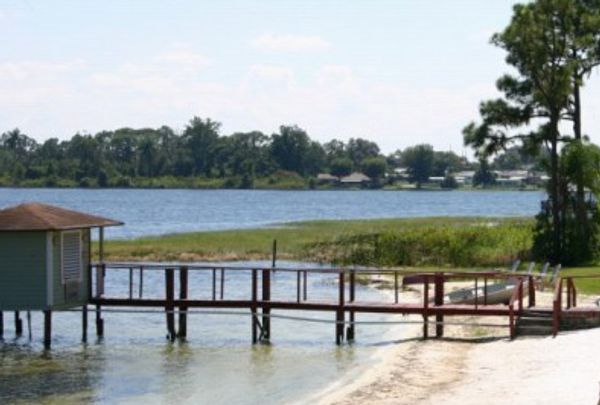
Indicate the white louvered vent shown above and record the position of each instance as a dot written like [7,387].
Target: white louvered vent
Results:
[71,256]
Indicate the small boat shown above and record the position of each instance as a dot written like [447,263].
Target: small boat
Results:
[497,293]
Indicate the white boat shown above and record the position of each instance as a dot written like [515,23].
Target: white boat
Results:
[497,293]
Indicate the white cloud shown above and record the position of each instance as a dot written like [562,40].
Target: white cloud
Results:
[184,59]
[290,43]
[25,70]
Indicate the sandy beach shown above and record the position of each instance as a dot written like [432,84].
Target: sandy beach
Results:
[471,365]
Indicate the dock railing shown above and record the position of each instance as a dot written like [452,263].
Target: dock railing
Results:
[565,297]
[261,299]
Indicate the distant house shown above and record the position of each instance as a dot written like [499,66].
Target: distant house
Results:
[326,178]
[401,173]
[355,179]
[511,178]
[537,178]
[464,177]
[436,179]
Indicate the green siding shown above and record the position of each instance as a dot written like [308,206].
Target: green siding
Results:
[60,300]
[22,270]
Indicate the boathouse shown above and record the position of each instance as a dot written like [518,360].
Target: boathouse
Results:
[45,254]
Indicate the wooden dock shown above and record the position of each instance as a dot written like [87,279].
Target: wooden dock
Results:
[258,300]
[174,290]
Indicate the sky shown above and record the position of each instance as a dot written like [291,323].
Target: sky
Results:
[396,72]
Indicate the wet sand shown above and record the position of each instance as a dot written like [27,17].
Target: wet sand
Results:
[475,365]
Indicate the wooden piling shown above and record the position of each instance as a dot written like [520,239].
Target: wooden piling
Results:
[84,323]
[169,305]
[214,284]
[141,283]
[18,324]
[183,294]
[439,300]
[298,287]
[305,291]
[1,325]
[29,325]
[47,329]
[131,283]
[254,306]
[350,329]
[100,273]
[274,254]
[339,325]
[266,298]
[222,283]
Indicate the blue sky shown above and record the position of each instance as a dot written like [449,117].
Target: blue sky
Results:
[397,72]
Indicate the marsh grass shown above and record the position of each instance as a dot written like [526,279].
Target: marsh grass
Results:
[428,244]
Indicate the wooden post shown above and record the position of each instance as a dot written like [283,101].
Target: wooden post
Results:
[1,325]
[99,291]
[84,323]
[253,307]
[18,324]
[350,330]
[141,283]
[298,287]
[266,298]
[531,295]
[169,306]
[305,291]
[568,293]
[476,293]
[485,290]
[131,283]
[222,283]
[183,294]
[214,284]
[520,296]
[439,301]
[29,324]
[396,287]
[511,322]
[339,326]
[274,257]
[47,329]
[426,308]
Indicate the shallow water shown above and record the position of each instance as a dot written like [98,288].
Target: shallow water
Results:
[155,212]
[134,362]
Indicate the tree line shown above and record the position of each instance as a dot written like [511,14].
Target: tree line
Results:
[131,157]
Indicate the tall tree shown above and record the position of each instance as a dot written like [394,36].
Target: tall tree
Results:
[540,91]
[200,137]
[419,163]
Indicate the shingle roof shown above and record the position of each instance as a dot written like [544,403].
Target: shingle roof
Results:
[42,217]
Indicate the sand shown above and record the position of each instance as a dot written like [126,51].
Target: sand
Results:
[466,369]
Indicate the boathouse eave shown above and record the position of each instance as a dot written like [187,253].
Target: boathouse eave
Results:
[42,217]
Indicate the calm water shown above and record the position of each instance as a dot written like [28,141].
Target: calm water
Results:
[155,212]
[217,365]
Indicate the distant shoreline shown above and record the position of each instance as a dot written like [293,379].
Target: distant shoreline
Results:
[390,189]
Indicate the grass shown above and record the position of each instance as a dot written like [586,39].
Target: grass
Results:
[299,240]
[452,244]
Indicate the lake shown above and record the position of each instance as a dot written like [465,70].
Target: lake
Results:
[134,363]
[156,212]
[218,364]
